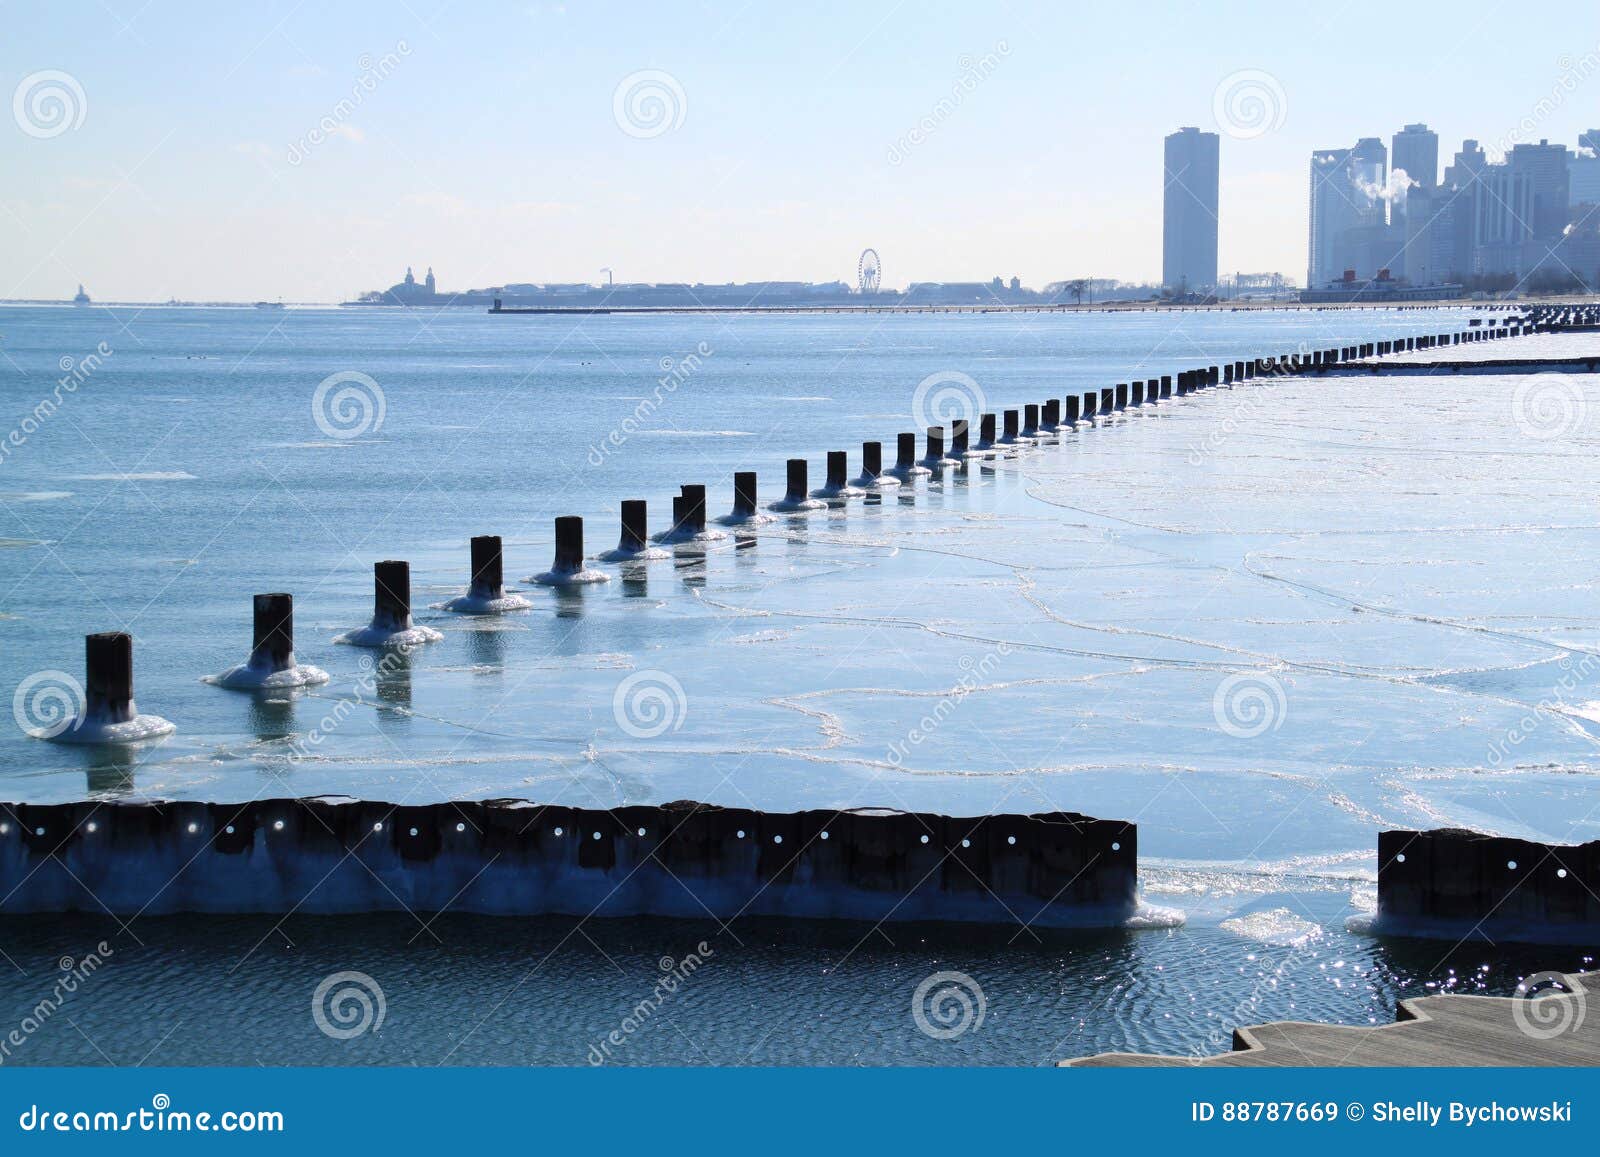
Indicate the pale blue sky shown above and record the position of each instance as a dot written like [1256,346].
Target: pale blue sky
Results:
[492,150]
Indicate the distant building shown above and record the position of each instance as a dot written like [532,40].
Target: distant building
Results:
[1351,288]
[1546,167]
[1415,151]
[1349,220]
[1502,220]
[1521,211]
[80,298]
[1530,220]
[1254,287]
[407,292]
[1458,210]
[1583,171]
[1190,174]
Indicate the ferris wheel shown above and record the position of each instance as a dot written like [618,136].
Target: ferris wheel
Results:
[869,274]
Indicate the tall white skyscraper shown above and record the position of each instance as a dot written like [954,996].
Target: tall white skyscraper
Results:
[1189,211]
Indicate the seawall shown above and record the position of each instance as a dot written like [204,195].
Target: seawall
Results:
[512,857]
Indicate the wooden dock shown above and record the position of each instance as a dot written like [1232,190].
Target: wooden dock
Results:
[1428,1032]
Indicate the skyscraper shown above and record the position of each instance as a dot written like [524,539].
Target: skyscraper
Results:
[1189,211]
[1349,218]
[1415,150]
[1502,232]
[1458,212]
[1584,170]
[1546,167]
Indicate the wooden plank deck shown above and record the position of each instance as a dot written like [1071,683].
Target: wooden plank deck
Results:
[1430,1031]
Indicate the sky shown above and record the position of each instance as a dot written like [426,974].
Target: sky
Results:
[312,151]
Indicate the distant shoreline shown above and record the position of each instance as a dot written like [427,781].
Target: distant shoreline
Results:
[1035,307]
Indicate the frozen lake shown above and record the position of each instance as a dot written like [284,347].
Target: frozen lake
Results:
[1263,622]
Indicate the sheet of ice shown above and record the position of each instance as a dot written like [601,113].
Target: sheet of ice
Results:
[1261,622]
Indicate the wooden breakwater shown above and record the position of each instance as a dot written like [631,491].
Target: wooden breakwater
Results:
[1466,885]
[512,857]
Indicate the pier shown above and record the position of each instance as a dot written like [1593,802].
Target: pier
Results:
[1428,1031]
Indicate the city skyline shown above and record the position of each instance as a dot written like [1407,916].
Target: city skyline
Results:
[286,160]
[1528,220]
